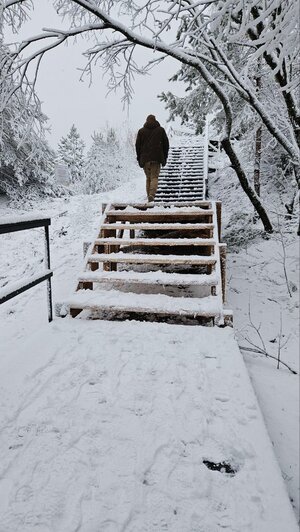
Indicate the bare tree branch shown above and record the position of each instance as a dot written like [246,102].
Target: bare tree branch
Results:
[264,353]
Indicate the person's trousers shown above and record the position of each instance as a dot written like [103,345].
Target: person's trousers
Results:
[151,170]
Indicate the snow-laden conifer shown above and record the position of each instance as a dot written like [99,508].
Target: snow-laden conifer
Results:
[71,153]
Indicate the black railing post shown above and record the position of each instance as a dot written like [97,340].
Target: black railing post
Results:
[49,287]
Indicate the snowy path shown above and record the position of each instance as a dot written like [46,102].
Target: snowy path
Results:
[105,426]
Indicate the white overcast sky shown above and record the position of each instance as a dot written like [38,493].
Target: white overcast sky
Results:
[67,100]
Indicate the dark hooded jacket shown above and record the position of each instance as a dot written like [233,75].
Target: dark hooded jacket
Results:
[152,144]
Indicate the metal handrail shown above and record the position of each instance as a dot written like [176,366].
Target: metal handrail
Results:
[22,224]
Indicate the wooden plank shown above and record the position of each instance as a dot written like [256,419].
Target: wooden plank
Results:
[149,206]
[158,226]
[156,216]
[145,303]
[169,189]
[128,258]
[182,186]
[170,199]
[149,278]
[117,309]
[156,241]
[178,194]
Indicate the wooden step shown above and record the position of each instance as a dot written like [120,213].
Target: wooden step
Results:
[183,188]
[157,216]
[186,167]
[146,206]
[159,226]
[181,185]
[155,241]
[182,176]
[175,197]
[178,190]
[179,194]
[178,186]
[149,278]
[160,304]
[180,181]
[144,258]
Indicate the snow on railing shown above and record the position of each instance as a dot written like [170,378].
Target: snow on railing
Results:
[11,224]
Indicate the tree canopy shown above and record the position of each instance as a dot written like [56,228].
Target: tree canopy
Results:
[222,42]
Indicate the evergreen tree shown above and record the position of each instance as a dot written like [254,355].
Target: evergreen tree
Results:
[106,163]
[70,152]
[94,167]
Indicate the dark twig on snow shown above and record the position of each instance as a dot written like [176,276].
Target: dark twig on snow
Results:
[263,350]
[264,353]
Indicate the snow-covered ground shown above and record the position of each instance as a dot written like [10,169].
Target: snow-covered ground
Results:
[69,414]
[111,426]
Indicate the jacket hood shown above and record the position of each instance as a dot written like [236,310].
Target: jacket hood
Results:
[152,125]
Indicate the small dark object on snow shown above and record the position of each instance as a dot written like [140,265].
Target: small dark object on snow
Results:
[223,467]
[16,446]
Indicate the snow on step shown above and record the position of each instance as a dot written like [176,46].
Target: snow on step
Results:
[177,196]
[201,207]
[160,226]
[155,216]
[158,277]
[180,192]
[150,206]
[182,187]
[169,189]
[209,306]
[156,241]
[141,258]
[178,212]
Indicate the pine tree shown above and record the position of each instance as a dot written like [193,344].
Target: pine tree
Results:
[70,150]
[104,163]
[94,166]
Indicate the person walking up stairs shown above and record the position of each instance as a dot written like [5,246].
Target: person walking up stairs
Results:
[152,148]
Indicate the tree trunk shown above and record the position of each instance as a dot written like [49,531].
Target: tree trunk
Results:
[254,198]
[256,174]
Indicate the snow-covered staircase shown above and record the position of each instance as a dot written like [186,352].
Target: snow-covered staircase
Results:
[156,263]
[184,177]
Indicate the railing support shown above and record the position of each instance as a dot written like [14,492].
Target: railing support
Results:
[49,288]
[21,224]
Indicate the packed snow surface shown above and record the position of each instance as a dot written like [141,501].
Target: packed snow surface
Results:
[110,427]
